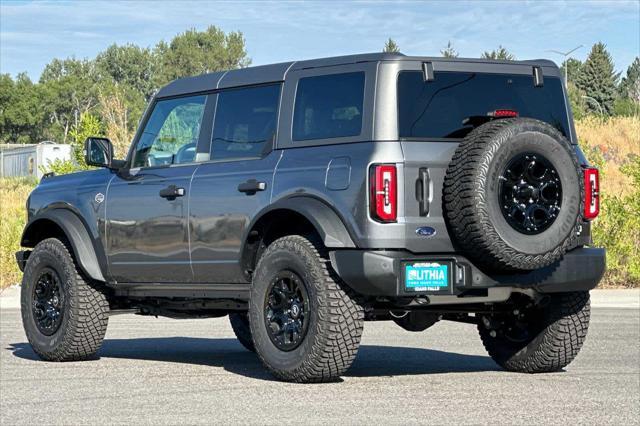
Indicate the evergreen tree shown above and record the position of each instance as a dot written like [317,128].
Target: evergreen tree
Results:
[572,67]
[499,53]
[391,46]
[449,51]
[597,79]
[630,84]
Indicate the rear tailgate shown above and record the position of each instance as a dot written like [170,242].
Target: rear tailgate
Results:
[424,169]
[433,117]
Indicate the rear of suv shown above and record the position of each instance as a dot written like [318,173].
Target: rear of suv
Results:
[302,199]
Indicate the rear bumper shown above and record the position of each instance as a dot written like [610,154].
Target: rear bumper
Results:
[377,273]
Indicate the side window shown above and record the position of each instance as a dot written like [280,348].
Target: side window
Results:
[329,106]
[246,122]
[171,133]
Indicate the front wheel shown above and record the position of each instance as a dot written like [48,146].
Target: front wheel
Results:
[537,338]
[305,325]
[64,316]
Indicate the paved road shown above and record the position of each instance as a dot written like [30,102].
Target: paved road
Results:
[164,371]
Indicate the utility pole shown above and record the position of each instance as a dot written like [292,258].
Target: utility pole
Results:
[566,58]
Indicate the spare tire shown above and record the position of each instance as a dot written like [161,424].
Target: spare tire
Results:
[513,195]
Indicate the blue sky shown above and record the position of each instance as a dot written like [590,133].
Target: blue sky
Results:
[34,32]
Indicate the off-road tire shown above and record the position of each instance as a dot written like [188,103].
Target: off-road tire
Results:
[336,319]
[240,325]
[85,312]
[565,321]
[472,206]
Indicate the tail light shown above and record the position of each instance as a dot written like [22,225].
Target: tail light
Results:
[503,113]
[384,195]
[591,193]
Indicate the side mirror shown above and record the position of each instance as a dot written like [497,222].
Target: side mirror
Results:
[98,152]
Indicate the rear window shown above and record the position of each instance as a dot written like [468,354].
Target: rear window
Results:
[439,108]
[329,106]
[245,122]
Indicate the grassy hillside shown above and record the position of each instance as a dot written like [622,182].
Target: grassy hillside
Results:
[613,145]
[615,142]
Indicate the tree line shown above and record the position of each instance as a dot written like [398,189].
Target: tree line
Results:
[107,94]
[593,86]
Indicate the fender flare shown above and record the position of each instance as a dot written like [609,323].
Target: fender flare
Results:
[324,219]
[76,232]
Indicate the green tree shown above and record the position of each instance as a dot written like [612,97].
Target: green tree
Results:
[88,125]
[577,101]
[597,79]
[129,65]
[120,108]
[21,116]
[69,89]
[573,67]
[391,46]
[198,52]
[499,53]
[449,51]
[630,84]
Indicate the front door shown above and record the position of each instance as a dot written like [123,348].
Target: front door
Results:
[147,205]
[231,188]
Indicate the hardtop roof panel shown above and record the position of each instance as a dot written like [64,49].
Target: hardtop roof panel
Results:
[277,72]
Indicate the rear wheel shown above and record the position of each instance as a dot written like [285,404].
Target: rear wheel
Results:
[531,338]
[305,325]
[240,325]
[64,316]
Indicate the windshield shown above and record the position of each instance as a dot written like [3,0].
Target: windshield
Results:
[446,107]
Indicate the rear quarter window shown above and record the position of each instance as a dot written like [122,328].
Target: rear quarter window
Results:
[439,108]
[329,106]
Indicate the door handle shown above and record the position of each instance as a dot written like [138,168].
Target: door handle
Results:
[252,186]
[171,192]
[422,191]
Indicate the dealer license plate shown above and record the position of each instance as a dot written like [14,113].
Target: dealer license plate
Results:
[427,276]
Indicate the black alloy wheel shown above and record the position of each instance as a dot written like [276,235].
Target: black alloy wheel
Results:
[286,311]
[48,302]
[530,193]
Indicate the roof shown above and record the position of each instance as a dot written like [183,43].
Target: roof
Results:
[277,72]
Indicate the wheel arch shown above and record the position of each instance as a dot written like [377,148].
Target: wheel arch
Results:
[295,215]
[66,225]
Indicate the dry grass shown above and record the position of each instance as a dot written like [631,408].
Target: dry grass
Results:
[13,196]
[617,140]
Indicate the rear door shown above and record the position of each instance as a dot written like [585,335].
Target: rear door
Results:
[147,205]
[235,184]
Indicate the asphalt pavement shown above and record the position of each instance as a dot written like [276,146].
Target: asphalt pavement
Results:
[163,371]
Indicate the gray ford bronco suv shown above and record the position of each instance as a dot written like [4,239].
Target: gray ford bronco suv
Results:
[304,198]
